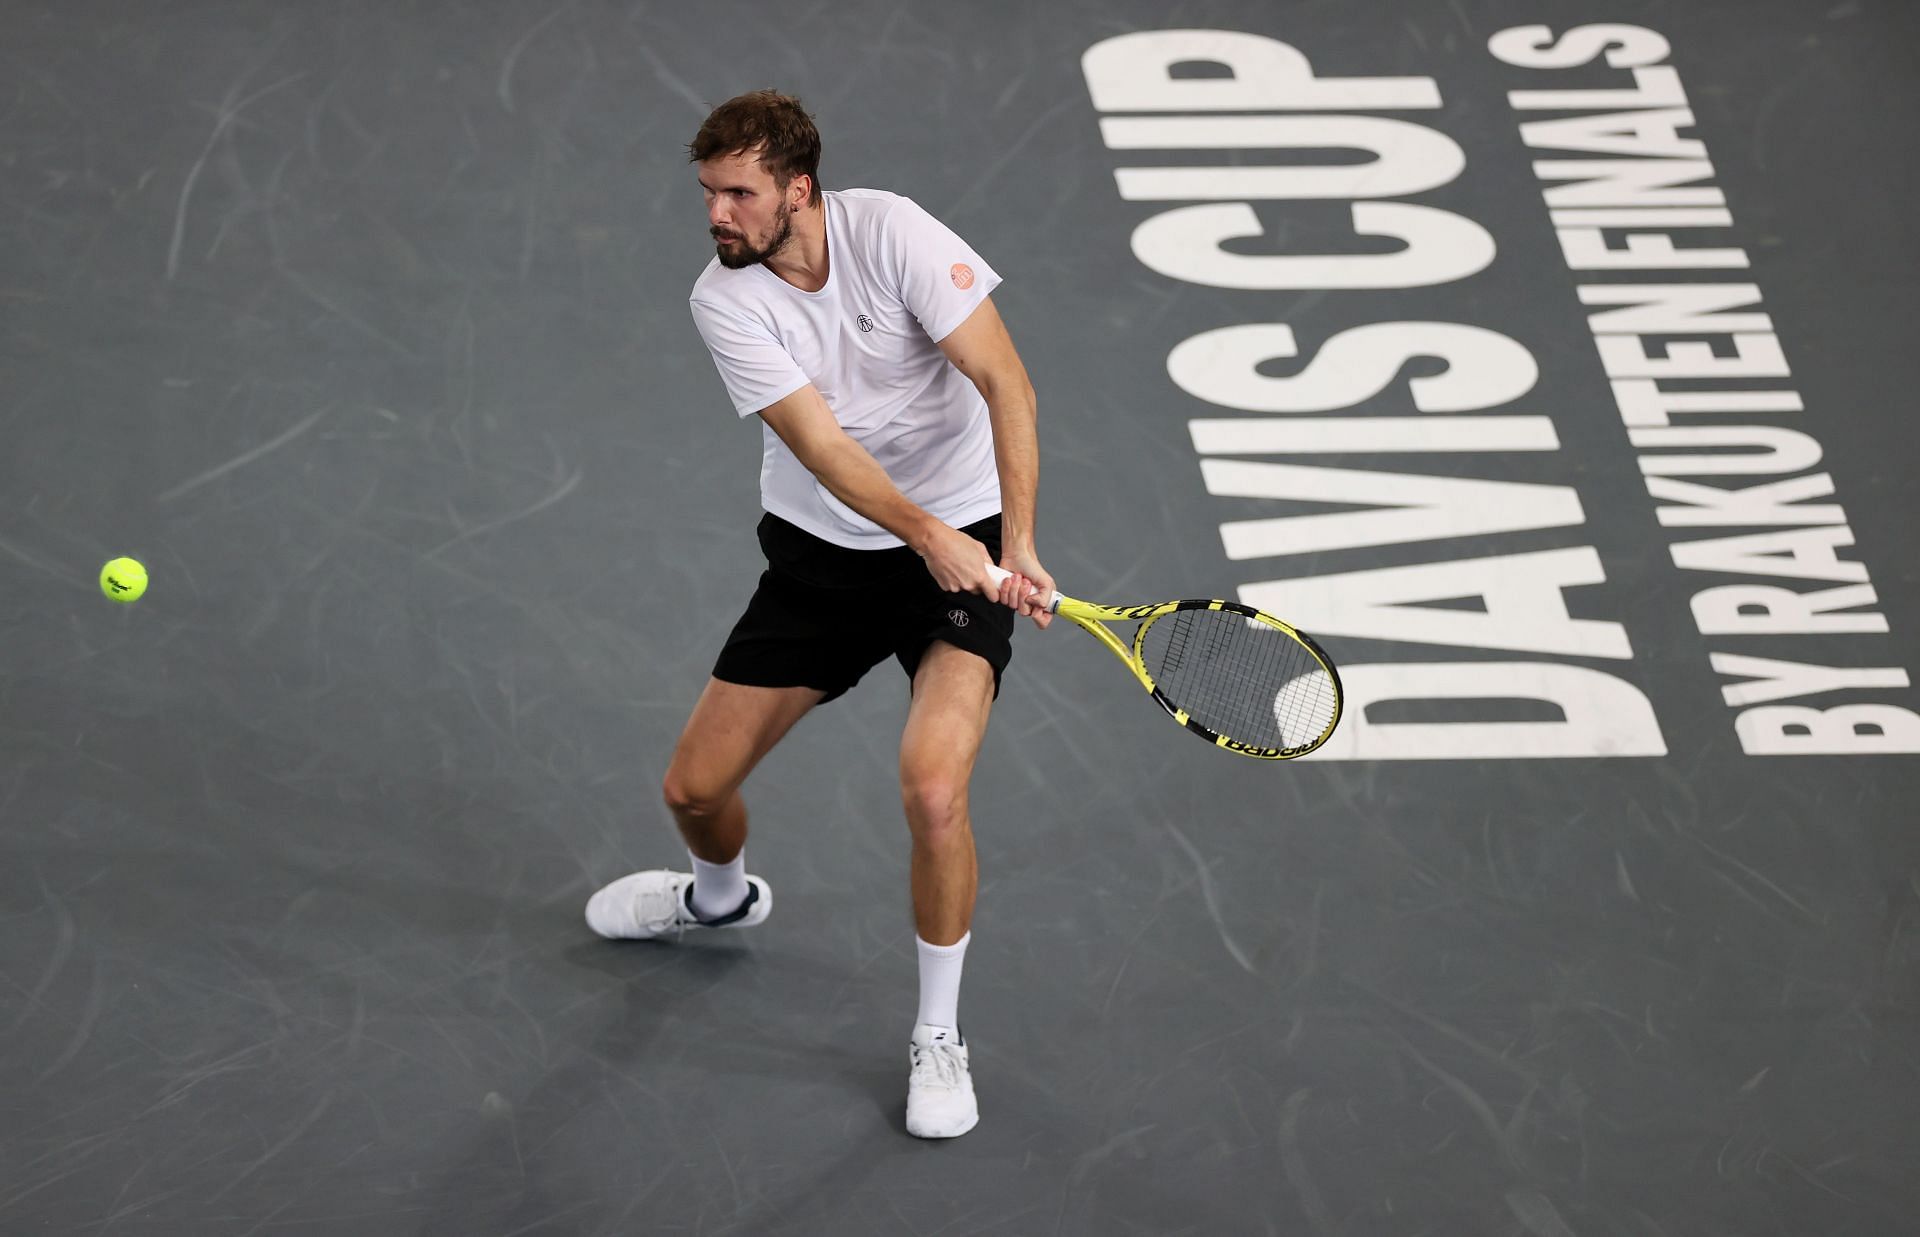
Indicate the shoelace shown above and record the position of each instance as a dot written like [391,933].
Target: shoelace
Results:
[659,911]
[938,1064]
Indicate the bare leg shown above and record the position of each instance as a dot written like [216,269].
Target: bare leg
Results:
[952,694]
[731,729]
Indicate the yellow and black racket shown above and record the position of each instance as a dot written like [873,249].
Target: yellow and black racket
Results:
[1236,676]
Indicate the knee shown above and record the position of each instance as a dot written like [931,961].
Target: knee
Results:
[936,807]
[688,798]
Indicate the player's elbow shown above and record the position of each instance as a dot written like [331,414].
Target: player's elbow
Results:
[829,454]
[1008,388]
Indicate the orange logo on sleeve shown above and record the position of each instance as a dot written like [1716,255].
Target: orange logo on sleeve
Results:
[962,276]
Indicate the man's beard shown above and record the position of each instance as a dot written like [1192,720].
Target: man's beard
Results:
[744,254]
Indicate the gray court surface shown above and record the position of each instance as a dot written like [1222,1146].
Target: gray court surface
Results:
[363,325]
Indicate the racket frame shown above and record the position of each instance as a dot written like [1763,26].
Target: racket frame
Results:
[1095,619]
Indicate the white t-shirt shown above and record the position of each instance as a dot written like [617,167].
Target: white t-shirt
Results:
[898,281]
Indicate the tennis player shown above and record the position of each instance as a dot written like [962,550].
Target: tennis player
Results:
[899,457]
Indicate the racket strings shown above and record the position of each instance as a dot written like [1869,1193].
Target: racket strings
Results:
[1239,677]
[1176,650]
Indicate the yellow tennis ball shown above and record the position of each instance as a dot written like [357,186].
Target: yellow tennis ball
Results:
[123,579]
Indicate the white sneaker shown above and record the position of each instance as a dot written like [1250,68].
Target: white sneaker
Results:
[648,905]
[940,1101]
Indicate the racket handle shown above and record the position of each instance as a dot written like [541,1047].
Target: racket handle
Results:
[1001,576]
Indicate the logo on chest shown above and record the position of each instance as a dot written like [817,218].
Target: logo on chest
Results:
[865,323]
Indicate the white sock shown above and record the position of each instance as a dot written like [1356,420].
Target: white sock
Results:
[940,981]
[718,888]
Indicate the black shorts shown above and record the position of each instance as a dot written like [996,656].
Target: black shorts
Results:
[824,615]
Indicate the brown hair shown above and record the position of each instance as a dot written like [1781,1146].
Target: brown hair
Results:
[767,123]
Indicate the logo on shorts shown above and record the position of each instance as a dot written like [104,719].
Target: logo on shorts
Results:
[962,276]
[958,617]
[866,323]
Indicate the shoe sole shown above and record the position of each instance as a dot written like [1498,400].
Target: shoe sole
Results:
[971,1122]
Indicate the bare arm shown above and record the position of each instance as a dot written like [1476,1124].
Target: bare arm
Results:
[803,421]
[981,349]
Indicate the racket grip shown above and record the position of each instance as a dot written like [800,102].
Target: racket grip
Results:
[1001,576]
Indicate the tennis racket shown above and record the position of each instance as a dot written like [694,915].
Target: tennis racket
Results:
[1236,676]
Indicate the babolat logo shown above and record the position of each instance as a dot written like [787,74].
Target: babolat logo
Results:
[866,323]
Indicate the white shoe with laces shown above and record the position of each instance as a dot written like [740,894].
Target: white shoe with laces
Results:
[649,905]
[940,1102]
